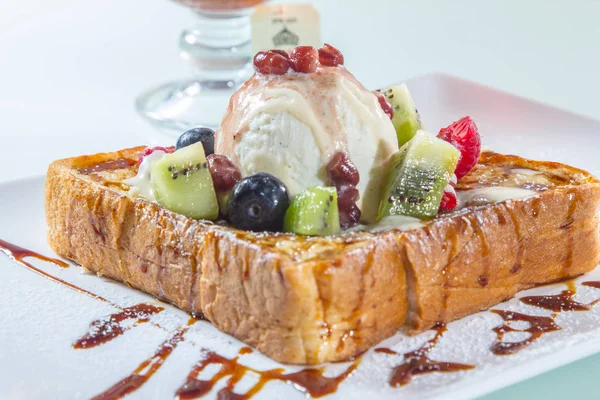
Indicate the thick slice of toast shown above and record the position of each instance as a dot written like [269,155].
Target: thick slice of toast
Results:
[312,300]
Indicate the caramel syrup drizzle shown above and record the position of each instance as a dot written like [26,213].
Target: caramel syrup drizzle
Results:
[145,370]
[559,302]
[310,380]
[105,329]
[417,362]
[19,254]
[537,327]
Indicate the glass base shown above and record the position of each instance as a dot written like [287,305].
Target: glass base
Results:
[177,106]
[218,51]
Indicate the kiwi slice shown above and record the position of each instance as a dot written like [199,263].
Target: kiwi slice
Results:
[223,199]
[406,117]
[182,183]
[417,175]
[314,212]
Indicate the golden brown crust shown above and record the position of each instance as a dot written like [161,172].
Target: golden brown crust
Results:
[313,300]
[471,262]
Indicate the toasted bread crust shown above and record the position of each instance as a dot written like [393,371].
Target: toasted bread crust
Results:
[312,300]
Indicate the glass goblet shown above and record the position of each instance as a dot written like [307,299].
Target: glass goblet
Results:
[218,47]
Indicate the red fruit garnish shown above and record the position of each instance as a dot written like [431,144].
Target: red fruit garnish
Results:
[385,105]
[304,59]
[463,134]
[282,52]
[150,150]
[449,201]
[347,196]
[349,217]
[342,171]
[330,56]
[271,62]
[349,212]
[224,173]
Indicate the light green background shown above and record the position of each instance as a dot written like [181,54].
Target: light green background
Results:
[576,381]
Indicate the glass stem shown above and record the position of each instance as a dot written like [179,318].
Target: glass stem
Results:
[218,47]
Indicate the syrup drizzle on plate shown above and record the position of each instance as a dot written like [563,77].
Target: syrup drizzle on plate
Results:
[537,327]
[592,284]
[145,370]
[105,329]
[310,380]
[19,254]
[417,362]
[559,302]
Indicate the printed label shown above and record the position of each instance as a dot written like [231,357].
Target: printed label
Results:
[285,27]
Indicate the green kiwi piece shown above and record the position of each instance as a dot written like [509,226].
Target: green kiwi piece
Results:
[182,183]
[314,212]
[406,117]
[223,199]
[417,175]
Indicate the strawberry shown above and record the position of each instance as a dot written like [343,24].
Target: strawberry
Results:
[449,201]
[463,135]
[150,150]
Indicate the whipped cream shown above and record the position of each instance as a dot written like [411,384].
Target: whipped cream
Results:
[291,125]
[490,195]
[393,222]
[140,184]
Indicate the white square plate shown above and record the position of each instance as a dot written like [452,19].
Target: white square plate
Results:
[41,319]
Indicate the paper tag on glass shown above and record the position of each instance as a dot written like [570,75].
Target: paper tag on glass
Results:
[285,27]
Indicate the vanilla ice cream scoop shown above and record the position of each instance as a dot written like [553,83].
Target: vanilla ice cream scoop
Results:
[291,125]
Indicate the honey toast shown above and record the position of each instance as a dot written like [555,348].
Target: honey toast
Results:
[309,300]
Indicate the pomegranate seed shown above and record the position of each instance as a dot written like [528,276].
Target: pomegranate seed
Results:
[464,135]
[150,150]
[271,62]
[330,56]
[385,105]
[342,171]
[223,172]
[449,201]
[304,59]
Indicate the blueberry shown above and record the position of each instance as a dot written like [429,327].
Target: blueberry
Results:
[258,203]
[204,135]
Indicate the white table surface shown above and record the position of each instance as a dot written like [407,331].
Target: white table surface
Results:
[70,69]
